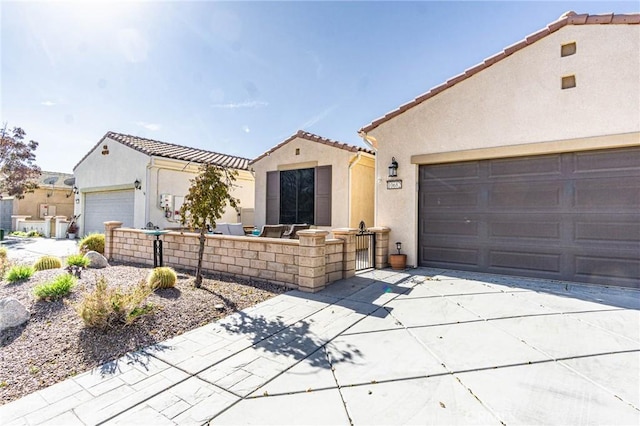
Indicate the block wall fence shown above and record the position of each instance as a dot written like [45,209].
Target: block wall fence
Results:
[308,264]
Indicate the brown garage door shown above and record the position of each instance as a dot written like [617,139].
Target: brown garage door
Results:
[573,216]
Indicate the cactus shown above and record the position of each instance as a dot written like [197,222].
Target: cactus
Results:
[47,262]
[162,277]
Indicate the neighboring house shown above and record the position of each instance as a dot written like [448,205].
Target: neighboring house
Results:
[54,197]
[136,181]
[313,180]
[526,164]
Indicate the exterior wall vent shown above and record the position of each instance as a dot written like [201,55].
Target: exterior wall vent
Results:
[568,82]
[568,49]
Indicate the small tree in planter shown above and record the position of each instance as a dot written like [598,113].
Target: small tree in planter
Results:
[208,196]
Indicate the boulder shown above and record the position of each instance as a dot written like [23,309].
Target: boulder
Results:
[97,260]
[12,313]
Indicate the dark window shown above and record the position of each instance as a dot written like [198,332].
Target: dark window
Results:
[299,196]
[297,193]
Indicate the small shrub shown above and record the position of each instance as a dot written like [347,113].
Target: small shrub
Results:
[18,234]
[4,261]
[59,287]
[19,273]
[47,262]
[106,307]
[34,233]
[92,242]
[78,260]
[162,277]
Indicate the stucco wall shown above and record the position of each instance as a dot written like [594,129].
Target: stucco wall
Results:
[30,204]
[517,101]
[312,154]
[173,177]
[362,191]
[115,171]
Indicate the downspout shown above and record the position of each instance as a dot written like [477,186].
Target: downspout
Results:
[372,143]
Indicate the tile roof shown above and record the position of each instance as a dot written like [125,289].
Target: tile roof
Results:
[314,138]
[569,18]
[176,152]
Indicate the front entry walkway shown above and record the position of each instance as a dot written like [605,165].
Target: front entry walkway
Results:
[417,347]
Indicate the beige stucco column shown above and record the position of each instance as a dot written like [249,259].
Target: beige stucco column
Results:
[382,246]
[47,226]
[348,235]
[108,237]
[312,260]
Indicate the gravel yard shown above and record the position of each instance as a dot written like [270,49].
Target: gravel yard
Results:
[54,344]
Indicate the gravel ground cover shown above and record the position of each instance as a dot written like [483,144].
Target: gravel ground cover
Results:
[54,344]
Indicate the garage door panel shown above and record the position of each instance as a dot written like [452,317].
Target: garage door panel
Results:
[525,261]
[523,196]
[615,270]
[618,162]
[452,226]
[573,216]
[460,257]
[607,193]
[439,173]
[452,199]
[523,228]
[525,166]
[601,230]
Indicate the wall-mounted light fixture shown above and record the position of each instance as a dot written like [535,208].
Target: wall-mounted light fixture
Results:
[398,246]
[393,167]
[73,190]
[137,184]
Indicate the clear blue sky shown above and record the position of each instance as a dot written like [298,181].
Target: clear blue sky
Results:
[239,77]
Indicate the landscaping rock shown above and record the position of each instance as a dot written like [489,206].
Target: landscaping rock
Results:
[12,313]
[97,260]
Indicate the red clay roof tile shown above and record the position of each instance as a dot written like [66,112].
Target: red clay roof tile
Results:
[569,18]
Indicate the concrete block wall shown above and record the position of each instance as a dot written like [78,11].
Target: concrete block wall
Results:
[309,263]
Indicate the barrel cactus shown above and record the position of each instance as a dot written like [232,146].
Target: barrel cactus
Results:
[47,262]
[162,277]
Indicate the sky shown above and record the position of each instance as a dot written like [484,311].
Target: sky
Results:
[239,77]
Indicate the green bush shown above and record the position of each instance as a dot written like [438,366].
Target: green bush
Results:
[78,260]
[59,287]
[34,233]
[18,234]
[47,262]
[106,307]
[162,277]
[19,273]
[92,242]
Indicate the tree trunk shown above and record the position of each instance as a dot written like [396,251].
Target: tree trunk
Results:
[200,256]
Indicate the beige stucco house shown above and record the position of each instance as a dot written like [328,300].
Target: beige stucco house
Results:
[314,180]
[527,163]
[136,181]
[54,197]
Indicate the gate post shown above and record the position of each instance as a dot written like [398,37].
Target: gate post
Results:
[382,246]
[311,256]
[108,237]
[348,235]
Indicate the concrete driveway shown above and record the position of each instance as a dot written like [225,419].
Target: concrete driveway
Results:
[28,250]
[417,347]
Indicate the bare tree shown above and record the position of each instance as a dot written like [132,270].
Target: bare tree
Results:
[209,194]
[18,171]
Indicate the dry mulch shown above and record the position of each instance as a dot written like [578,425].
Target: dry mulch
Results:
[55,345]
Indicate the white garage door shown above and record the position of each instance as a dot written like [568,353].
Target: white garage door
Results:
[101,207]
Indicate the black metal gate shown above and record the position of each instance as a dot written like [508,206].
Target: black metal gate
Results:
[365,249]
